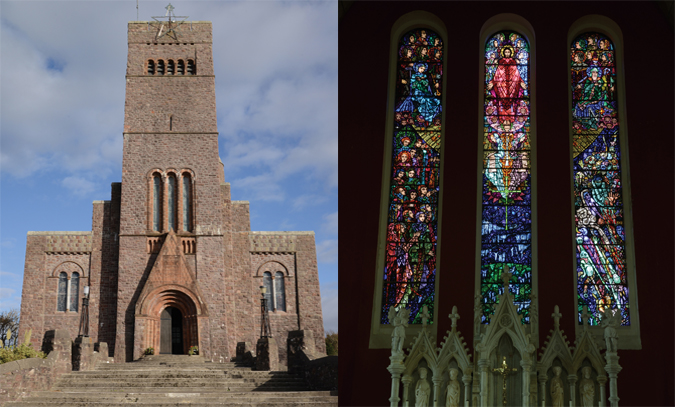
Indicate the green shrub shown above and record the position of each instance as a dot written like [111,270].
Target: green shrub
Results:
[194,350]
[23,351]
[149,351]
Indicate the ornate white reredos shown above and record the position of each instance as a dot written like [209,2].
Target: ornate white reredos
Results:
[478,377]
[587,346]
[556,346]
[505,321]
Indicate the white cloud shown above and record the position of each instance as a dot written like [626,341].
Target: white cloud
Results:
[327,251]
[329,304]
[331,223]
[79,186]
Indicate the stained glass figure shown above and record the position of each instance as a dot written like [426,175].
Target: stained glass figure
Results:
[410,264]
[506,232]
[600,237]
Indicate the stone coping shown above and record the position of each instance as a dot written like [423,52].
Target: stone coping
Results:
[241,202]
[59,233]
[187,21]
[282,233]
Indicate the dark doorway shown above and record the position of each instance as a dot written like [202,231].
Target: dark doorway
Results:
[171,341]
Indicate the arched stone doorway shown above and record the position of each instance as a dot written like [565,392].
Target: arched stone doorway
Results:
[168,321]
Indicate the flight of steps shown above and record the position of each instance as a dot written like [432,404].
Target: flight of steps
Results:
[177,380]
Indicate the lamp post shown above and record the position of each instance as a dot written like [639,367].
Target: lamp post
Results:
[265,331]
[84,316]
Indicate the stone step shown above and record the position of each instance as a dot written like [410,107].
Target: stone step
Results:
[56,398]
[170,380]
[177,402]
[178,373]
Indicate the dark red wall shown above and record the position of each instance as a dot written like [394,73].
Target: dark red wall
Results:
[647,375]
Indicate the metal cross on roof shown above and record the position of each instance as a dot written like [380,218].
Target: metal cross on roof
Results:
[171,24]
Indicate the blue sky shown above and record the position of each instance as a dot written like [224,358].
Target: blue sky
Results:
[62,109]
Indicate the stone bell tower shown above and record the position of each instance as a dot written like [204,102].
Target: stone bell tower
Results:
[172,192]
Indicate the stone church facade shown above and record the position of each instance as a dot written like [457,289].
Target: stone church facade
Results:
[171,260]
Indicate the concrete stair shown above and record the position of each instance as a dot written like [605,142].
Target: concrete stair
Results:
[177,380]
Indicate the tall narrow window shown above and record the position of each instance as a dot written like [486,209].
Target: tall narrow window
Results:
[160,67]
[600,236]
[410,263]
[267,282]
[279,291]
[151,67]
[62,292]
[191,70]
[74,291]
[506,233]
[170,122]
[170,67]
[181,67]
[172,202]
[186,202]
[157,203]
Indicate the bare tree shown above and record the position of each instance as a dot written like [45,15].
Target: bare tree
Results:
[9,322]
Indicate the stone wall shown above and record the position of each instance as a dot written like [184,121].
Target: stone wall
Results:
[320,373]
[21,377]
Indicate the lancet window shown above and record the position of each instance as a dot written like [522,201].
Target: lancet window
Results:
[602,280]
[170,67]
[181,67]
[410,258]
[506,231]
[279,292]
[62,295]
[160,67]
[172,195]
[74,293]
[151,67]
[191,68]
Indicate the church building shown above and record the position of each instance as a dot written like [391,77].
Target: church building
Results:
[171,261]
[507,147]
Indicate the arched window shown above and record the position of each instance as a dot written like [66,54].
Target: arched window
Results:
[151,67]
[172,190]
[157,202]
[267,282]
[191,69]
[170,67]
[181,67]
[74,291]
[62,292]
[160,67]
[605,263]
[411,190]
[187,202]
[506,188]
[279,292]
[410,265]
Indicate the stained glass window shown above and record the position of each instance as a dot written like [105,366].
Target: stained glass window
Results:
[267,282]
[279,291]
[410,263]
[186,202]
[506,232]
[172,202]
[62,292]
[74,291]
[600,236]
[156,202]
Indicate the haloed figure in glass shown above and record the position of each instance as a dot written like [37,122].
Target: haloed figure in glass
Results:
[410,264]
[506,196]
[600,240]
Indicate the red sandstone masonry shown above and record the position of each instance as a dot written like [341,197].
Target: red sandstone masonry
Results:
[114,258]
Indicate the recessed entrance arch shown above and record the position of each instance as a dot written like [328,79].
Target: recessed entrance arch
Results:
[167,320]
